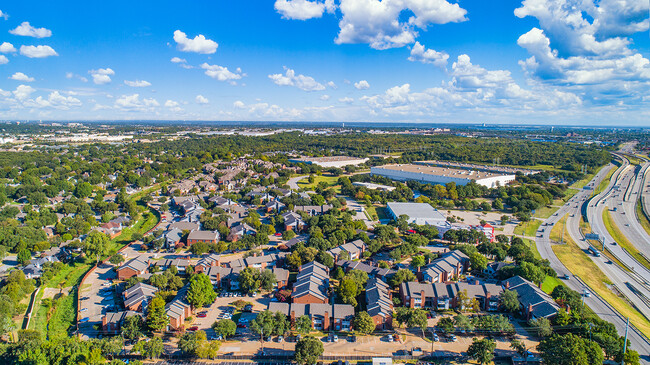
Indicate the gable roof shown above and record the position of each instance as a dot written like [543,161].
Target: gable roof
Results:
[136,264]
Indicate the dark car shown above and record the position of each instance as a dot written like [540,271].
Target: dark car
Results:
[248,308]
[353,338]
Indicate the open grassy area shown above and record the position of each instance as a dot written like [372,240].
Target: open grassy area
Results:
[603,184]
[377,212]
[63,315]
[330,180]
[546,211]
[141,226]
[643,219]
[528,229]
[579,263]
[620,238]
[581,183]
[558,233]
[550,282]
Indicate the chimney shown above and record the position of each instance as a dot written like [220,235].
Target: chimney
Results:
[104,321]
[293,316]
[487,300]
[326,321]
[529,311]
[507,285]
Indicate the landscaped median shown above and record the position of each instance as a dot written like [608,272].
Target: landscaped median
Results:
[622,240]
[579,263]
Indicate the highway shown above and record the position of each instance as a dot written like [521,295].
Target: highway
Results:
[616,274]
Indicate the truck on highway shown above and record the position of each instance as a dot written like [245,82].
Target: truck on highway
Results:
[594,251]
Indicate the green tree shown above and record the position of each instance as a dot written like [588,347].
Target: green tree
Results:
[95,244]
[225,328]
[249,279]
[303,324]
[402,276]
[482,350]
[569,349]
[418,318]
[157,319]
[192,342]
[267,279]
[282,324]
[510,301]
[417,261]
[542,326]
[263,324]
[446,324]
[132,327]
[116,259]
[308,350]
[149,349]
[348,289]
[201,291]
[364,323]
[23,257]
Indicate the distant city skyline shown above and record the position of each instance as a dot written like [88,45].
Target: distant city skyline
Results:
[544,62]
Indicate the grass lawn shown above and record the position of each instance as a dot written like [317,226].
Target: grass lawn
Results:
[329,179]
[603,184]
[529,228]
[558,233]
[550,283]
[63,315]
[581,183]
[377,212]
[577,261]
[620,238]
[533,247]
[141,226]
[645,223]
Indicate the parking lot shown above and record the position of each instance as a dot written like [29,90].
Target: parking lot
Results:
[96,298]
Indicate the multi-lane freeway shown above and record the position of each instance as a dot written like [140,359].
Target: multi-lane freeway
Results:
[617,275]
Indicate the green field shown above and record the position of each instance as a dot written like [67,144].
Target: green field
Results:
[577,261]
[377,212]
[603,184]
[528,229]
[621,239]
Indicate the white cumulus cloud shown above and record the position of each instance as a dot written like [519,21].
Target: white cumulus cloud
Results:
[101,76]
[5,16]
[222,73]
[137,83]
[19,76]
[303,9]
[306,83]
[198,44]
[362,85]
[133,102]
[380,24]
[23,92]
[25,29]
[200,99]
[420,54]
[3,59]
[7,47]
[37,51]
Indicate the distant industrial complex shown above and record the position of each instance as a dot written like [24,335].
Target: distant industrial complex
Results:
[330,161]
[441,175]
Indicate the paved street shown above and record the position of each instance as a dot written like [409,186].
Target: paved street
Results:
[597,304]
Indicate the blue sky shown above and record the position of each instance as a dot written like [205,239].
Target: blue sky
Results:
[473,61]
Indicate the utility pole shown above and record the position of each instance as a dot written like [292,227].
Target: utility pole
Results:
[627,325]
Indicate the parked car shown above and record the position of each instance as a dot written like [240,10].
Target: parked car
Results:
[280,338]
[353,338]
[84,320]
[202,315]
[334,338]
[241,325]
[435,337]
[389,338]
[248,308]
[193,328]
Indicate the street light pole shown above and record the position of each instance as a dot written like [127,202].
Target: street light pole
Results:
[627,325]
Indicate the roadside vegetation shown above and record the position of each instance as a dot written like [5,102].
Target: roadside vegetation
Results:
[622,240]
[580,265]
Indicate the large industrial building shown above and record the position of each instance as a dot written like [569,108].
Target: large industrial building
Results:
[441,175]
[419,213]
[330,161]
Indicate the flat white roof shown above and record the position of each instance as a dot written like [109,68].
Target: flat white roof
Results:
[416,210]
[443,171]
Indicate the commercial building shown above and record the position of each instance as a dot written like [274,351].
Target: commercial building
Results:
[374,186]
[441,175]
[421,214]
[330,161]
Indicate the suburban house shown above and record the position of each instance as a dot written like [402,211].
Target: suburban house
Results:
[285,246]
[282,277]
[447,267]
[173,237]
[293,222]
[276,205]
[240,230]
[131,268]
[441,296]
[379,304]
[138,296]
[185,226]
[178,310]
[324,317]
[313,210]
[206,262]
[112,321]
[354,249]
[224,277]
[202,236]
[111,229]
[493,268]
[312,284]
[534,302]
[372,271]
[179,263]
